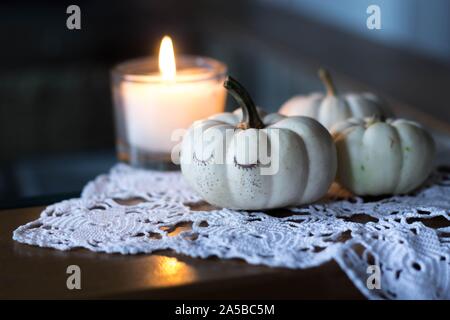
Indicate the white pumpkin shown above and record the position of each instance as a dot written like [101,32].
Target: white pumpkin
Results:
[332,108]
[377,157]
[235,178]
[236,115]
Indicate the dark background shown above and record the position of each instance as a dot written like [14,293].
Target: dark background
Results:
[56,126]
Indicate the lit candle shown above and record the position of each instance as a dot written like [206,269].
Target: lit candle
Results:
[155,104]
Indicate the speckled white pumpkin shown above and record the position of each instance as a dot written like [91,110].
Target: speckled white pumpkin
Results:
[331,108]
[377,157]
[307,159]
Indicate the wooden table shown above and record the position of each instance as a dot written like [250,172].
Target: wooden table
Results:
[33,272]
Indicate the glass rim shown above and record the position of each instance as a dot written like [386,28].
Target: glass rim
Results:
[146,70]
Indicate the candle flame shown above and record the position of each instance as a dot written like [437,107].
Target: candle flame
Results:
[167,65]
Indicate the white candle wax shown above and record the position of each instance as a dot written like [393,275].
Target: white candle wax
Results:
[154,108]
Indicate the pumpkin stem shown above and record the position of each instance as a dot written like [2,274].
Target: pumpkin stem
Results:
[250,116]
[376,118]
[325,76]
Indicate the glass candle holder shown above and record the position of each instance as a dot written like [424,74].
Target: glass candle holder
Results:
[152,113]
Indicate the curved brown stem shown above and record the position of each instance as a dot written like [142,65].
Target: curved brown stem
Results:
[325,76]
[250,116]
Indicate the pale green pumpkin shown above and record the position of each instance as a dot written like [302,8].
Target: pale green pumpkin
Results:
[377,157]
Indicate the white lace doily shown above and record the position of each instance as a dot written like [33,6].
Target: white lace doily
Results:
[408,237]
